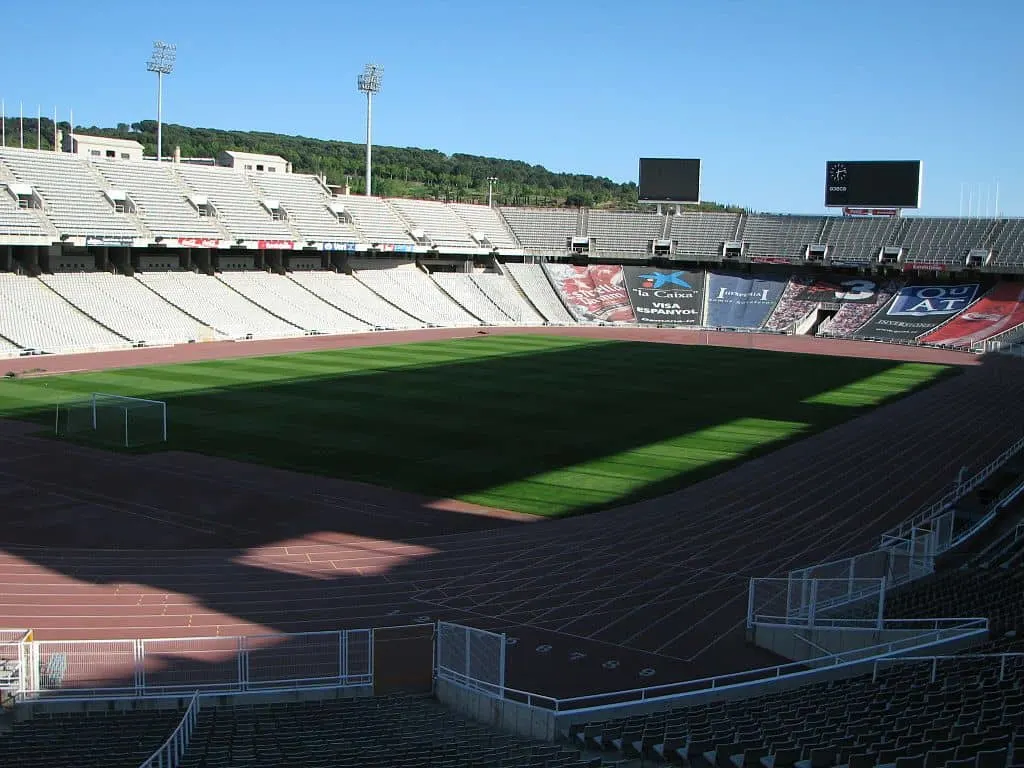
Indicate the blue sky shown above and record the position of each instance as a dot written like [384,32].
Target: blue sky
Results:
[764,91]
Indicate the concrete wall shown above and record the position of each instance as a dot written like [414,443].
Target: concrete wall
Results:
[508,716]
[791,642]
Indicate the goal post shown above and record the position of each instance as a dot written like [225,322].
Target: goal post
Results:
[129,422]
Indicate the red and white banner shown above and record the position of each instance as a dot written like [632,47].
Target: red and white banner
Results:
[597,292]
[199,242]
[275,245]
[999,310]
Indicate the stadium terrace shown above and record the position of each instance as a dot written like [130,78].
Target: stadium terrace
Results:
[318,543]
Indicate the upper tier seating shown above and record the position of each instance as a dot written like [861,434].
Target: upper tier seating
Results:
[940,241]
[160,199]
[212,302]
[701,235]
[502,291]
[623,232]
[289,300]
[781,236]
[442,227]
[389,732]
[415,293]
[375,219]
[34,317]
[486,221]
[538,289]
[1008,244]
[542,229]
[15,221]
[306,201]
[72,193]
[857,240]
[238,205]
[461,287]
[901,717]
[93,740]
[347,293]
[128,307]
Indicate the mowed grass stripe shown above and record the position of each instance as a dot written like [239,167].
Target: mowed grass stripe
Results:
[547,425]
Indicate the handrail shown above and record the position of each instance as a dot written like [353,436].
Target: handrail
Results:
[169,754]
[970,627]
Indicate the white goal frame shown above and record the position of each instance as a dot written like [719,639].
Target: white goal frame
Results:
[98,397]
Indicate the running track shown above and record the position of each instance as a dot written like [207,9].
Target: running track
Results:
[646,594]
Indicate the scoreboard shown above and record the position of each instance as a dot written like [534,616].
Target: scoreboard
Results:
[873,184]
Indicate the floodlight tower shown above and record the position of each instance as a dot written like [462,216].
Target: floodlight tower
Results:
[491,181]
[369,83]
[161,62]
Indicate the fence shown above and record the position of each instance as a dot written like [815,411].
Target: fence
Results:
[814,602]
[471,658]
[14,661]
[111,668]
[171,751]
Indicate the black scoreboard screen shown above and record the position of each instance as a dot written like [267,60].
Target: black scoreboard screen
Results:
[669,180]
[873,184]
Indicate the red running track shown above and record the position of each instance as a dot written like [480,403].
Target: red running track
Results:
[645,594]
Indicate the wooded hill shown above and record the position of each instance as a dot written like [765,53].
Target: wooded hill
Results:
[397,171]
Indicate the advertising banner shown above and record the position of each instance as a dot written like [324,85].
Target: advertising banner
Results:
[741,301]
[665,296]
[838,289]
[918,309]
[999,310]
[278,245]
[594,293]
[199,242]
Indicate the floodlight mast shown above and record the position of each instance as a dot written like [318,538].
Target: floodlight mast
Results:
[491,181]
[369,83]
[161,62]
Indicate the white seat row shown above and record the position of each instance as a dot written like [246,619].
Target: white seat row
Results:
[289,300]
[438,222]
[617,232]
[538,289]
[545,229]
[128,307]
[160,199]
[415,293]
[502,291]
[212,302]
[461,287]
[487,221]
[376,220]
[347,293]
[35,317]
[15,220]
[238,207]
[72,194]
[306,201]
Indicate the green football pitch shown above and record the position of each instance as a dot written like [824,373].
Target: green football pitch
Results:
[540,424]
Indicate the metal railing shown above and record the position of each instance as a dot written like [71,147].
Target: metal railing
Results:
[756,678]
[171,751]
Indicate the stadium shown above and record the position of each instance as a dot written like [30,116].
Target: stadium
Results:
[293,475]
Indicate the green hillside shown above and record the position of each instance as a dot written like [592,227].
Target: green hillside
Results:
[398,171]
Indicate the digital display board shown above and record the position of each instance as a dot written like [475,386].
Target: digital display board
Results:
[669,180]
[873,183]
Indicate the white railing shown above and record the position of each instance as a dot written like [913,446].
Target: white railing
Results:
[753,680]
[1005,660]
[171,751]
[84,669]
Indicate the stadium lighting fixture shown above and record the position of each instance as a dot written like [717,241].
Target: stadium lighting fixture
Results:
[162,62]
[369,83]
[491,181]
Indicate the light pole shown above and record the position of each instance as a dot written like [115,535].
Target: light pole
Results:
[161,62]
[491,181]
[369,83]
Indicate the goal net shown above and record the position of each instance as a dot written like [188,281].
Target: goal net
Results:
[130,422]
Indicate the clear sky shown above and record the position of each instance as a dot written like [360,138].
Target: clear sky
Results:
[764,91]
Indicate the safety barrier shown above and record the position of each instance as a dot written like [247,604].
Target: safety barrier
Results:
[14,661]
[471,658]
[171,751]
[170,666]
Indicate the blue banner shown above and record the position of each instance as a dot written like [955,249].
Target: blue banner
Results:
[741,301]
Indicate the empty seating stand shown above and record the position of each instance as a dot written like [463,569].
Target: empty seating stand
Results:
[487,222]
[73,193]
[287,299]
[466,292]
[781,236]
[970,710]
[439,224]
[623,233]
[93,740]
[347,293]
[538,289]
[942,241]
[391,732]
[700,236]
[855,240]
[543,230]
[239,208]
[308,205]
[416,294]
